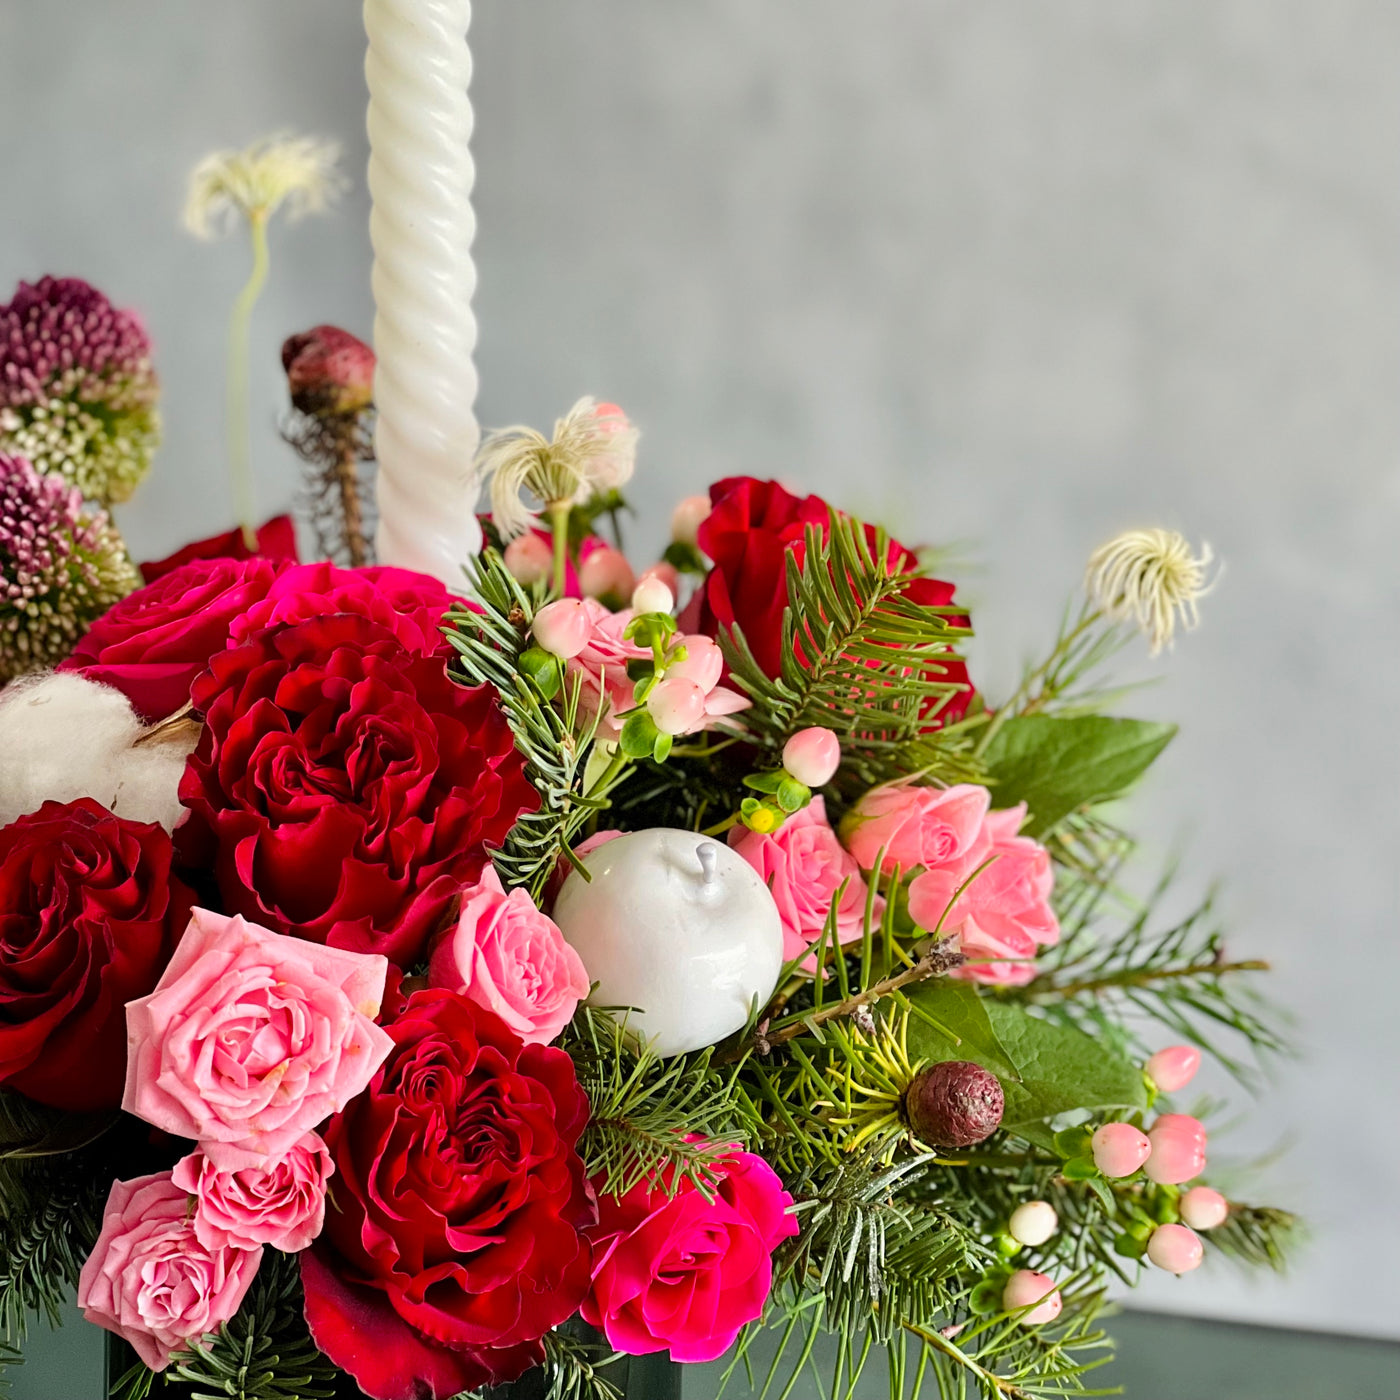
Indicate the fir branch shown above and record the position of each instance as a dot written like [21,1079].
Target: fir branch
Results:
[1258,1236]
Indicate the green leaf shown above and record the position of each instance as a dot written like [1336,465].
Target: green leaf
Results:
[639,735]
[950,1021]
[1054,1068]
[1057,764]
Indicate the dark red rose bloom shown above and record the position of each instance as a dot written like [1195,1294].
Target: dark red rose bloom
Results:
[276,540]
[344,789]
[453,1239]
[751,529]
[89,916]
[153,643]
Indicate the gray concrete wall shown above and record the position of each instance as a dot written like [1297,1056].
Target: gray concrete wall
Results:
[999,272]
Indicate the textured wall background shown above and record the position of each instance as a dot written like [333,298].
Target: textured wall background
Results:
[996,271]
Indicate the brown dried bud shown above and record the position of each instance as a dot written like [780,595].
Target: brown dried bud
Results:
[955,1104]
[329,372]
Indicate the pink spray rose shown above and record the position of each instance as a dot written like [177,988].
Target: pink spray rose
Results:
[150,1280]
[918,826]
[804,865]
[251,1038]
[680,1272]
[508,957]
[282,1204]
[1004,915]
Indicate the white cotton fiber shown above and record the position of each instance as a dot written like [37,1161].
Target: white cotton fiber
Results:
[64,737]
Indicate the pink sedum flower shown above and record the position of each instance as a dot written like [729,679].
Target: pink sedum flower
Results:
[918,826]
[150,1280]
[683,1273]
[1004,915]
[282,1204]
[804,865]
[508,957]
[251,1038]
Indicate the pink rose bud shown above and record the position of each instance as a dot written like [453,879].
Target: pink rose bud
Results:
[652,596]
[605,573]
[812,756]
[1203,1208]
[529,558]
[667,573]
[1025,1287]
[329,371]
[1178,1149]
[688,517]
[677,705]
[1033,1223]
[1120,1149]
[563,628]
[1175,1249]
[1174,1068]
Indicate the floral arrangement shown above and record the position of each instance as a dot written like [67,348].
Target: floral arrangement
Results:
[421,988]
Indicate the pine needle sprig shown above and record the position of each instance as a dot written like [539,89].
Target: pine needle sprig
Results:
[1259,1236]
[858,657]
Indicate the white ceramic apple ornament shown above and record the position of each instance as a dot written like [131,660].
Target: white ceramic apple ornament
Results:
[676,926]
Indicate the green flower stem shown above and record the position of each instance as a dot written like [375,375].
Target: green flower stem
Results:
[239,399]
[1145,976]
[559,529]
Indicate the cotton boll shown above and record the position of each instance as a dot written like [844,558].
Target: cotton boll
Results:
[63,737]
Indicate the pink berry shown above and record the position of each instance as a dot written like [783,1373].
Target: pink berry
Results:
[652,596]
[1026,1286]
[1119,1149]
[563,628]
[687,518]
[677,705]
[812,756]
[610,418]
[1178,1149]
[703,664]
[1174,1068]
[1175,1249]
[667,573]
[605,573]
[529,558]
[1033,1223]
[1203,1208]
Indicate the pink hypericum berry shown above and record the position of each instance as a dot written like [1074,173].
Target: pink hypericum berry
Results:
[1119,1149]
[1203,1208]
[1033,1223]
[1175,1249]
[703,664]
[1026,1286]
[812,756]
[1174,1068]
[529,558]
[688,517]
[1178,1149]
[652,596]
[605,573]
[563,628]
[677,705]
[667,573]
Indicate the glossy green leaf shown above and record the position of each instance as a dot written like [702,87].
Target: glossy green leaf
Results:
[951,1021]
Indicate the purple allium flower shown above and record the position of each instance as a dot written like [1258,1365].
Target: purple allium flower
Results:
[77,388]
[62,565]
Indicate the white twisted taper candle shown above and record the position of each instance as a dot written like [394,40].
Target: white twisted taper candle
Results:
[420,181]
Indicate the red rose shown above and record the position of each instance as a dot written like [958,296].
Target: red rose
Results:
[277,540]
[750,530]
[153,643]
[89,916]
[344,789]
[452,1243]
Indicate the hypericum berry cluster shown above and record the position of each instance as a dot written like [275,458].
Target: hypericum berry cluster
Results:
[61,566]
[77,388]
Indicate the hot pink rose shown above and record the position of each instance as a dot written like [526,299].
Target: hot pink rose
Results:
[804,865]
[409,605]
[510,958]
[251,1038]
[1004,915]
[150,1280]
[917,826]
[282,1204]
[682,1272]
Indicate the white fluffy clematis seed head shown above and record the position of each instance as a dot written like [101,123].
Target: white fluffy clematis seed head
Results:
[593,450]
[1150,578]
[298,171]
